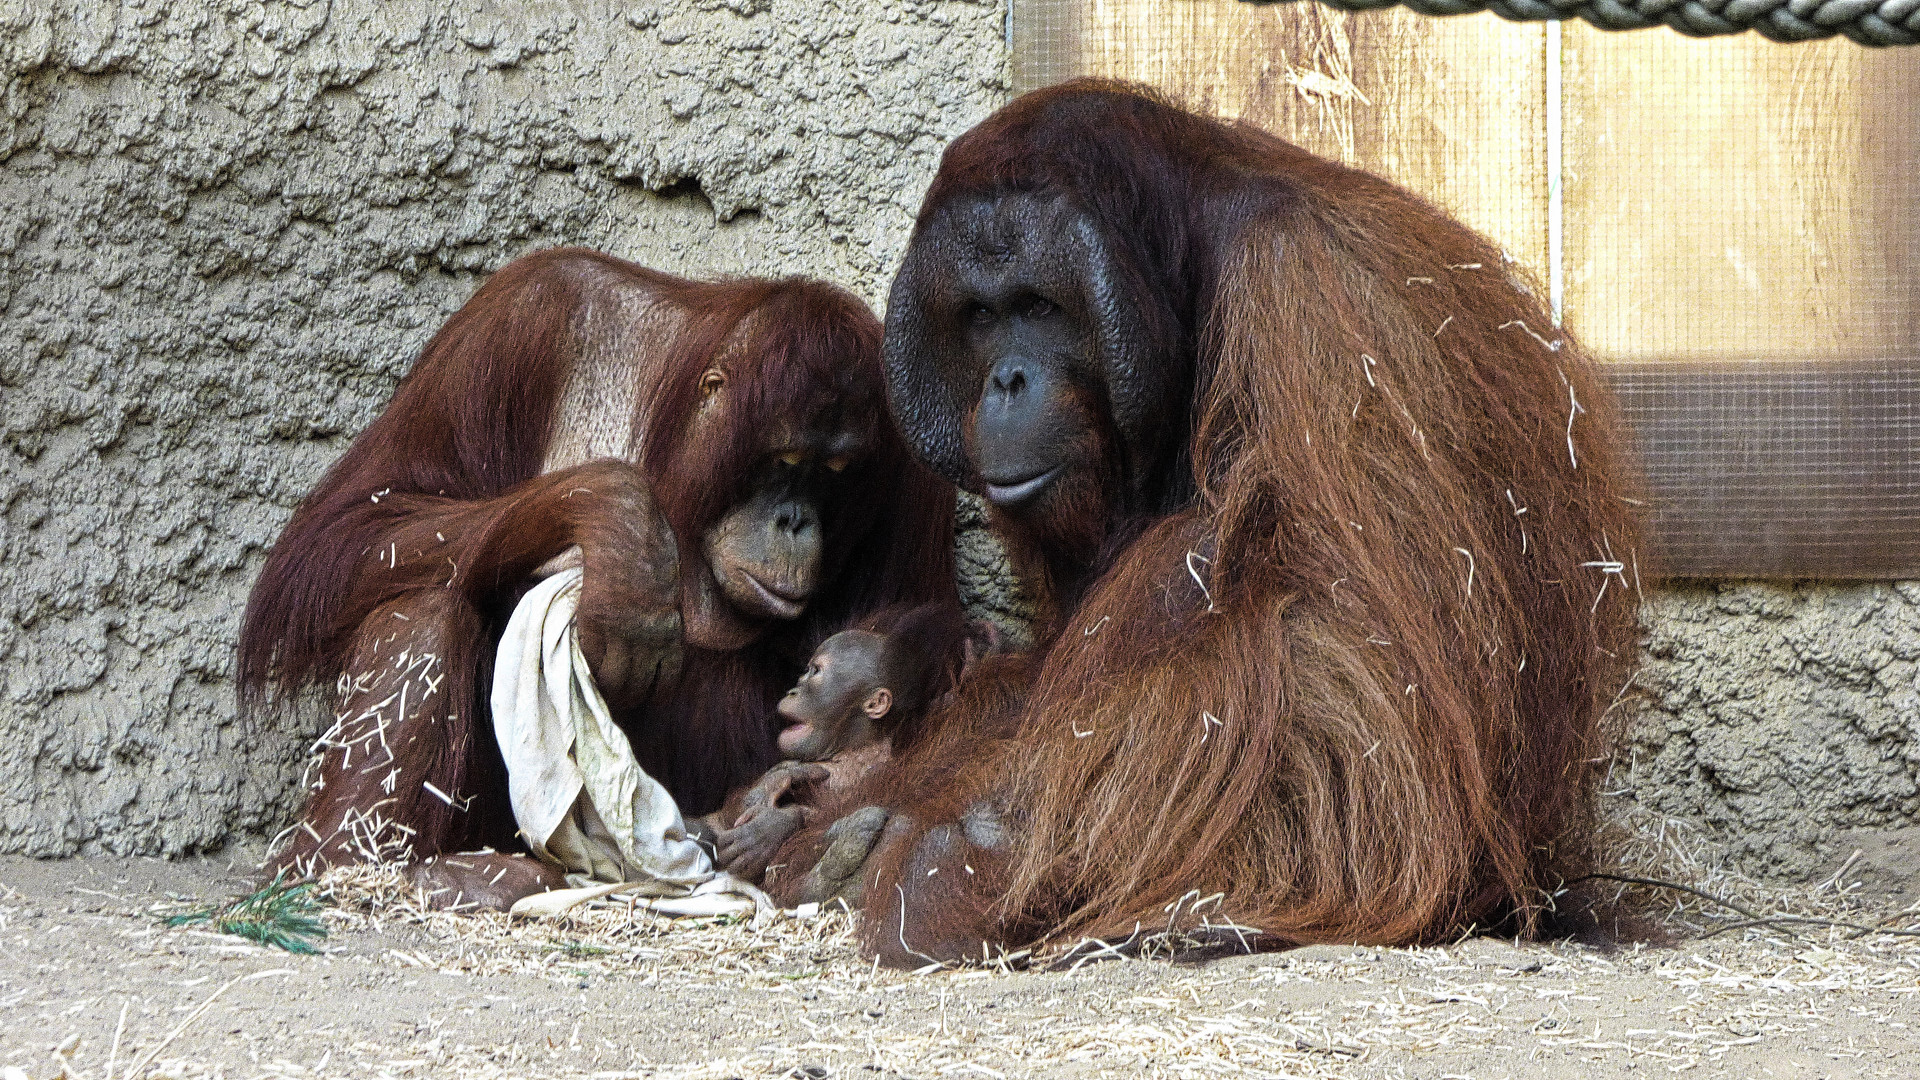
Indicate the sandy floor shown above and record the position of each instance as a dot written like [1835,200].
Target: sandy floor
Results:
[86,964]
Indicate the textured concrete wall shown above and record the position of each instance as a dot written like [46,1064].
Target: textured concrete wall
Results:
[225,229]
[1776,714]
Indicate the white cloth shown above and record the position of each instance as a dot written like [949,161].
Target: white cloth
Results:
[581,800]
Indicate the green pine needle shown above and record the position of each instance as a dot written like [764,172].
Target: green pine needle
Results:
[278,915]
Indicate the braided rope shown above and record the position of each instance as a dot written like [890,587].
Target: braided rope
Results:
[1869,22]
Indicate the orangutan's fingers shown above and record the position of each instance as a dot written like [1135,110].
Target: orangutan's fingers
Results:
[610,674]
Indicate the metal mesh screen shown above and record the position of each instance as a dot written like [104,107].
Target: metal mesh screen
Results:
[1732,225]
[1780,470]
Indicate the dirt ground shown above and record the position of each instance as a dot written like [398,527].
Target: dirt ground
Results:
[93,985]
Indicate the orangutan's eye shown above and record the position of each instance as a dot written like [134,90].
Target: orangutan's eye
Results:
[979,313]
[1040,309]
[792,457]
[839,462]
[712,381]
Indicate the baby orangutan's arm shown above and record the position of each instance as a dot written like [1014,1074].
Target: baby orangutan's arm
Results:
[744,848]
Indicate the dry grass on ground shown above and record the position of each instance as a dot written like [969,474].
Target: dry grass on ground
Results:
[103,990]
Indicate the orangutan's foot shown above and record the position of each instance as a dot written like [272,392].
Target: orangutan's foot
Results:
[489,880]
[837,876]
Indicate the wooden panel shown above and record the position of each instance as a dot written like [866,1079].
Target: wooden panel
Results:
[1736,199]
[1452,108]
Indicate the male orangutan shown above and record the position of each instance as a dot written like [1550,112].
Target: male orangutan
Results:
[719,455]
[1327,520]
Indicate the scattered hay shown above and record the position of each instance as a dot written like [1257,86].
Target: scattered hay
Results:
[1363,1008]
[597,939]
[1636,841]
[810,1006]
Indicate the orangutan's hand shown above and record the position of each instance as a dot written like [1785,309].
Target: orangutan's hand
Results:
[489,881]
[779,782]
[745,850]
[629,614]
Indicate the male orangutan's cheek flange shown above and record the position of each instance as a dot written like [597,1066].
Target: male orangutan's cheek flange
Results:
[1279,563]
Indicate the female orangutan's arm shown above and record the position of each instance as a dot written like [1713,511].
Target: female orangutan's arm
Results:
[629,618]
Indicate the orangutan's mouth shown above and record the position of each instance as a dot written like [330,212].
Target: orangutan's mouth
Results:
[792,734]
[1020,491]
[773,601]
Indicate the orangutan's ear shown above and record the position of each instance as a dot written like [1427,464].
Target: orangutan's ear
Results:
[878,703]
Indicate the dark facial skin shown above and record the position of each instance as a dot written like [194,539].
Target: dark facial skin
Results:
[764,553]
[1027,415]
[1017,316]
[1014,352]
[838,701]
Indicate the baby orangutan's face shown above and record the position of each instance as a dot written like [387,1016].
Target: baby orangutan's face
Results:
[838,702]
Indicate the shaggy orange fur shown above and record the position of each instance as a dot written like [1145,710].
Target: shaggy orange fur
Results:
[1348,679]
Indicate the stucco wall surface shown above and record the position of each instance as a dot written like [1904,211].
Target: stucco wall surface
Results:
[1776,714]
[225,229]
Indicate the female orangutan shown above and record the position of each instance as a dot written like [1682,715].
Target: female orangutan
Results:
[1328,522]
[719,454]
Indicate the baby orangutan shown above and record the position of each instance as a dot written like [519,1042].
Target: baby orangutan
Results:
[861,688]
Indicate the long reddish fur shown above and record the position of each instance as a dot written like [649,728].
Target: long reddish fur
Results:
[1383,768]
[440,493]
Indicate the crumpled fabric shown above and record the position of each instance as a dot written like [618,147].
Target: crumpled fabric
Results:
[581,800]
